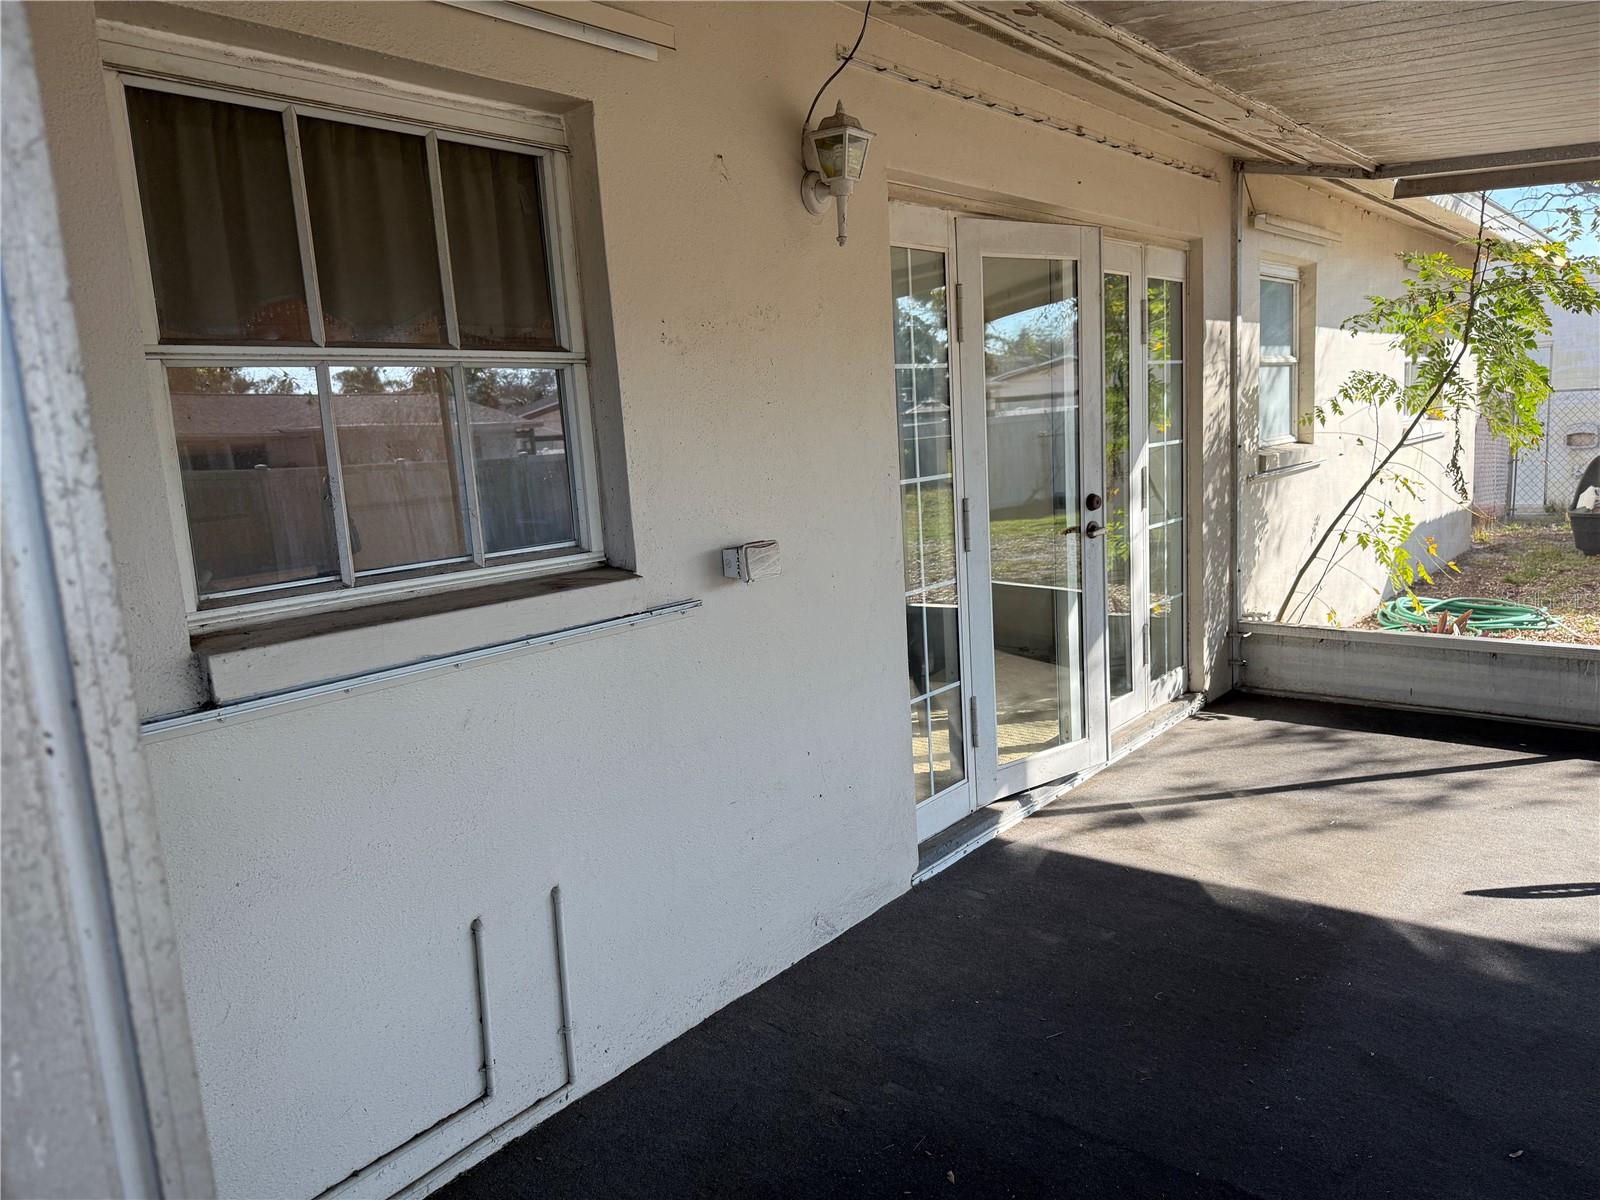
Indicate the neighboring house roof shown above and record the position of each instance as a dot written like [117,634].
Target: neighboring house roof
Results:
[252,415]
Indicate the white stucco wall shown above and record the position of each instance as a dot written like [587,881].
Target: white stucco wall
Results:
[1574,350]
[1282,514]
[718,795]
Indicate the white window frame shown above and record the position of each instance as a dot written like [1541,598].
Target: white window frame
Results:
[135,58]
[1279,273]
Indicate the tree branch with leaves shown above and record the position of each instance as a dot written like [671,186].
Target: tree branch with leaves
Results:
[1472,329]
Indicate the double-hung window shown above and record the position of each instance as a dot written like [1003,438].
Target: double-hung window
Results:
[1278,387]
[370,339]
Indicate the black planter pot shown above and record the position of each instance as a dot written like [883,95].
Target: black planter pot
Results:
[1585,531]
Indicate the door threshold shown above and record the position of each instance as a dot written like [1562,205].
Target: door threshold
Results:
[1145,726]
[972,831]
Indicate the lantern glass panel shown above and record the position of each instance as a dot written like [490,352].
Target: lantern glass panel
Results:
[856,156]
[831,154]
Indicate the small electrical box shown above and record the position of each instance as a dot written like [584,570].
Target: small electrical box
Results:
[752,561]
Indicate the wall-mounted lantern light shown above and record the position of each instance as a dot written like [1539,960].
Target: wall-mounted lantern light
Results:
[835,154]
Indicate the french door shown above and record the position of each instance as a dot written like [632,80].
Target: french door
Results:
[1039,380]
[1143,364]
[997,332]
[1029,331]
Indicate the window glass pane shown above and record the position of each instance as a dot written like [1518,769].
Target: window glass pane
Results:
[928,516]
[1030,348]
[519,447]
[497,249]
[1277,403]
[922,309]
[1277,318]
[251,455]
[921,769]
[944,639]
[396,445]
[1164,306]
[905,396]
[1166,603]
[945,742]
[218,219]
[1118,448]
[932,413]
[917,647]
[372,227]
[911,535]
[1165,479]
[939,534]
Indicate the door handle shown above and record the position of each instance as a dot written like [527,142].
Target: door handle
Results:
[1093,529]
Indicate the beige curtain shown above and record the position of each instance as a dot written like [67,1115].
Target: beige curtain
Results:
[372,227]
[219,219]
[497,252]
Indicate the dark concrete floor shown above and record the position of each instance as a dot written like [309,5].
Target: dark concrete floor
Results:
[1287,950]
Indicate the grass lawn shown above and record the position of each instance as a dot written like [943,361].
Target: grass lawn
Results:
[1530,564]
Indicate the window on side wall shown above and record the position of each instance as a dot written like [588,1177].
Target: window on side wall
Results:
[1437,413]
[369,335]
[1278,385]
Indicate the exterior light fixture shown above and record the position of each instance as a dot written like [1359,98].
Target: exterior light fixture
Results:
[835,154]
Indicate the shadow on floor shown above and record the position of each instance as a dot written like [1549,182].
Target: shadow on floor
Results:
[1041,1021]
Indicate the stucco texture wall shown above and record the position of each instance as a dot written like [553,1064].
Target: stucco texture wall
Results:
[1282,513]
[718,795]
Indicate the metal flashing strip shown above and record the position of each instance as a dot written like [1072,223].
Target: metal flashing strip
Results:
[1291,468]
[336,689]
[595,34]
[957,91]
[1030,802]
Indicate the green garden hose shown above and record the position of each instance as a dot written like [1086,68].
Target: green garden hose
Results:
[1488,616]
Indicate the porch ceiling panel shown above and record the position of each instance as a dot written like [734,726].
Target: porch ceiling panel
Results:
[1345,82]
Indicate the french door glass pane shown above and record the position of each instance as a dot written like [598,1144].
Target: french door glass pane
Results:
[251,455]
[945,741]
[497,249]
[218,220]
[928,517]
[519,447]
[1119,580]
[402,482]
[1030,313]
[372,228]
[1164,479]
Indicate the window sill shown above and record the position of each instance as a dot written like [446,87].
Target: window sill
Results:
[288,609]
[233,630]
[1285,458]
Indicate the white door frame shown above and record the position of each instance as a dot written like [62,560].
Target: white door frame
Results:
[977,239]
[1162,262]
[931,229]
[1142,263]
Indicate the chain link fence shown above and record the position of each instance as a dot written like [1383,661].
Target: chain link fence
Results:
[1540,481]
[1522,547]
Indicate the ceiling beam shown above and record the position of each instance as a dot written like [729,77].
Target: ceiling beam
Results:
[1510,177]
[1584,155]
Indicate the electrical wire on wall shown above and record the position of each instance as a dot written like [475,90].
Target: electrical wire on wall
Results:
[812,111]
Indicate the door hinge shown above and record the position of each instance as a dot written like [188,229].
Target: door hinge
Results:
[966,524]
[961,335]
[972,721]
